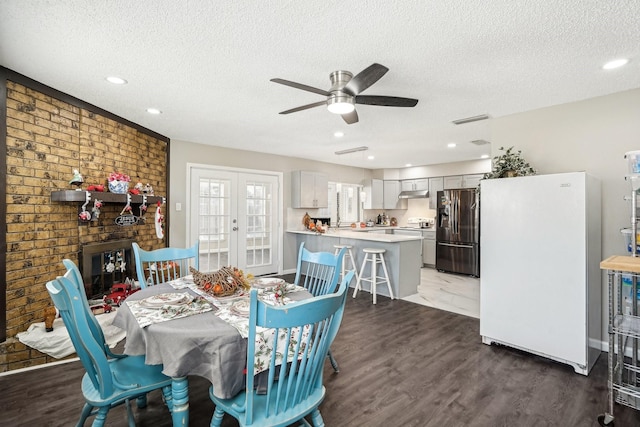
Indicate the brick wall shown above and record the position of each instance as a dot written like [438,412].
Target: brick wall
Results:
[46,139]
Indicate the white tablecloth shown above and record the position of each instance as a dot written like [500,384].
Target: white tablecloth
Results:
[57,342]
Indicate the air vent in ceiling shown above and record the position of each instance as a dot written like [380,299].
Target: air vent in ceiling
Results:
[352,150]
[470,119]
[480,142]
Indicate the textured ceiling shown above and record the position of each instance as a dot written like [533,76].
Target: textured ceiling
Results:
[207,65]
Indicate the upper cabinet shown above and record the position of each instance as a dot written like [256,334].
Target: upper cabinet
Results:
[462,181]
[391,192]
[435,185]
[414,184]
[472,181]
[309,189]
[451,182]
[374,190]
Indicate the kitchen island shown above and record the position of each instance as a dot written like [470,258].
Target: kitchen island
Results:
[403,254]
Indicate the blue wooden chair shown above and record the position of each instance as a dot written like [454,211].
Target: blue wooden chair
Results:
[75,277]
[293,390]
[319,272]
[163,265]
[107,382]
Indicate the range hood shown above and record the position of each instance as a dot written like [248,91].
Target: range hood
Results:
[414,194]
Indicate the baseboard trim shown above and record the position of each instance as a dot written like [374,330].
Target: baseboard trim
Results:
[44,365]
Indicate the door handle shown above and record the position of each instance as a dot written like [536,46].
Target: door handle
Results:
[455,246]
[235,228]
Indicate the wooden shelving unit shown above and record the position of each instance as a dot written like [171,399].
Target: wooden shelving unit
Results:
[80,196]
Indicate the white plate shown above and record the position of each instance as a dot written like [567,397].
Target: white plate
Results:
[157,301]
[241,308]
[267,282]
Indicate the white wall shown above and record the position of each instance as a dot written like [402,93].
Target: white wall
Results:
[591,135]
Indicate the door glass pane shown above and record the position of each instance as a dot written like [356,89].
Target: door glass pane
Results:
[214,223]
[259,217]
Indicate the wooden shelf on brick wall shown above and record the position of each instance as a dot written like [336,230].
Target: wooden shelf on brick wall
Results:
[80,196]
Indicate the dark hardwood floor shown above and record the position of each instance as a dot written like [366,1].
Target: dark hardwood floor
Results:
[402,364]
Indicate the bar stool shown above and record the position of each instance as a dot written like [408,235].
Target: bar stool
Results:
[374,256]
[348,254]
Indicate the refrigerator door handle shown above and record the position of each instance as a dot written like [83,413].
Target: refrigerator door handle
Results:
[454,245]
[457,204]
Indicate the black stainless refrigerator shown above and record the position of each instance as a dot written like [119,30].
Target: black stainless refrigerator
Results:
[458,232]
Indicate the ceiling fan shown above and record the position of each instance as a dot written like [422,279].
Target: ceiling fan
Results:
[345,93]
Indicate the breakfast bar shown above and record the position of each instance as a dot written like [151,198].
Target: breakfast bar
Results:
[403,254]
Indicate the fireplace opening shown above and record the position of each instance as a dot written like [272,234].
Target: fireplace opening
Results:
[105,264]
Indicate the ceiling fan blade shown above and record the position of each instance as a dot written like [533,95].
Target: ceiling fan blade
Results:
[386,101]
[365,78]
[301,86]
[304,107]
[351,117]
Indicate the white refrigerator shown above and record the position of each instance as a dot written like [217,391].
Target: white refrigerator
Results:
[540,281]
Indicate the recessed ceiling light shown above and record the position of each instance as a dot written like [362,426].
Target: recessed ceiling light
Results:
[371,157]
[408,165]
[116,80]
[451,144]
[338,134]
[153,111]
[616,63]
[484,156]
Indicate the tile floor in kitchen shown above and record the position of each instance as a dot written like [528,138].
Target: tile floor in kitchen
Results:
[450,292]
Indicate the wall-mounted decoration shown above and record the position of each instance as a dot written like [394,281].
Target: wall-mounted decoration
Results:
[77,179]
[159,222]
[119,182]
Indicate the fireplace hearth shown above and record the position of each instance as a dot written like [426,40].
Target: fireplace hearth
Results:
[104,264]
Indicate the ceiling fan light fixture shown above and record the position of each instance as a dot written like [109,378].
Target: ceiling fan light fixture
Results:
[340,104]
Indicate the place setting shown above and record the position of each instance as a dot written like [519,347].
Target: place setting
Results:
[267,282]
[182,282]
[171,298]
[167,306]
[241,308]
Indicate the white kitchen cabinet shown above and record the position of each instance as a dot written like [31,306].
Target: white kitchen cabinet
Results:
[391,191]
[451,182]
[374,190]
[414,184]
[429,247]
[435,185]
[462,181]
[471,181]
[309,189]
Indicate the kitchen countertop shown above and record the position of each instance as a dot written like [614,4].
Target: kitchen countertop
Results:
[384,227]
[348,233]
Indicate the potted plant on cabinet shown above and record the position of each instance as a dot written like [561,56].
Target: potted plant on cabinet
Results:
[509,164]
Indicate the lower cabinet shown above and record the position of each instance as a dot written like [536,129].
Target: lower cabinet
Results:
[429,248]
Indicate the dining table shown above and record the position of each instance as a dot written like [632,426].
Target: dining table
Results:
[203,335]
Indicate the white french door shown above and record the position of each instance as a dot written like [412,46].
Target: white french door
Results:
[236,217]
